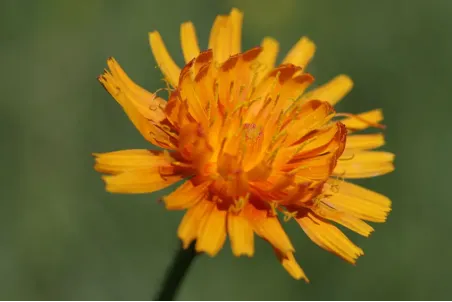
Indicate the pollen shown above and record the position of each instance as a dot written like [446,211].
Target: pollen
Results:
[252,132]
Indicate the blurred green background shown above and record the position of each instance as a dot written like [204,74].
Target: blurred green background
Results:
[63,237]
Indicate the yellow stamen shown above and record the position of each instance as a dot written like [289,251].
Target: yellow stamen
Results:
[289,215]
[273,207]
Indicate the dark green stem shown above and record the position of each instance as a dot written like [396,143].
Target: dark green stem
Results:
[176,273]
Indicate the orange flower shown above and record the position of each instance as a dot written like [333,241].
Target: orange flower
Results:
[249,143]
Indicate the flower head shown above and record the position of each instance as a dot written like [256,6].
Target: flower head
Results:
[252,146]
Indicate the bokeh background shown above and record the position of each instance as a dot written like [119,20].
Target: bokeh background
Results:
[63,237]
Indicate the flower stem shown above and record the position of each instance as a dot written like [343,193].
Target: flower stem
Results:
[176,273]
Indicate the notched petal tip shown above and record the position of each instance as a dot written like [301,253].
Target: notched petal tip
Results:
[301,53]
[230,63]
[304,78]
[203,71]
[284,72]
[235,10]
[252,53]
[165,62]
[204,56]
[154,32]
[329,237]
[291,265]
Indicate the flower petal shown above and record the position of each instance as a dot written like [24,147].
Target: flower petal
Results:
[357,201]
[187,93]
[125,160]
[317,142]
[138,181]
[331,92]
[269,228]
[364,164]
[190,224]
[186,195]
[321,115]
[365,141]
[329,237]
[225,36]
[166,64]
[233,80]
[266,60]
[301,53]
[212,232]
[147,129]
[148,104]
[326,210]
[236,19]
[363,120]
[189,41]
[315,169]
[220,44]
[291,266]
[241,234]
